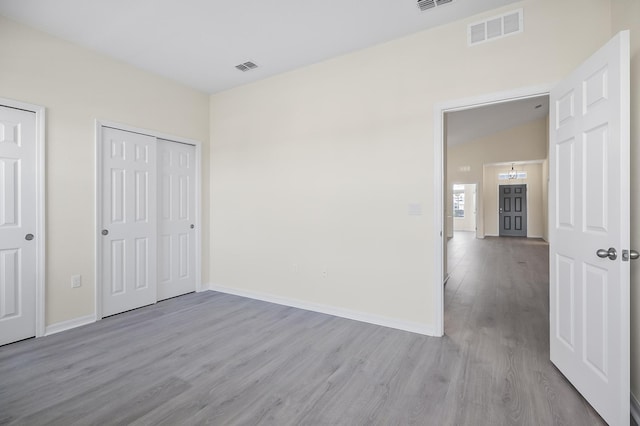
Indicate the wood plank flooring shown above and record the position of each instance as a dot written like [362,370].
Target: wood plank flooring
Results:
[218,359]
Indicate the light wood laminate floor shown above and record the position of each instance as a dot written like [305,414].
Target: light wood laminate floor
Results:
[212,358]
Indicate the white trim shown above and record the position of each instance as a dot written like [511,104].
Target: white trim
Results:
[198,217]
[69,324]
[97,261]
[98,201]
[438,135]
[40,207]
[153,133]
[635,409]
[439,218]
[517,163]
[412,327]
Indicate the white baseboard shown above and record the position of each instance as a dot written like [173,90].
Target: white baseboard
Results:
[330,310]
[635,409]
[69,324]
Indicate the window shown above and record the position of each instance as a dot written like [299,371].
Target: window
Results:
[458,200]
[506,176]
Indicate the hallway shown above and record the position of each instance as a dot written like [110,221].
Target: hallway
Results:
[497,310]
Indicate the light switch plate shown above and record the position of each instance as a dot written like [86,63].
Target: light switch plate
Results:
[76,281]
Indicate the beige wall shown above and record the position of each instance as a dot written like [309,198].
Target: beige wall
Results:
[78,86]
[314,170]
[626,15]
[465,162]
[535,204]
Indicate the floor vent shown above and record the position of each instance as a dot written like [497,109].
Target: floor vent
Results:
[247,66]
[496,27]
[430,4]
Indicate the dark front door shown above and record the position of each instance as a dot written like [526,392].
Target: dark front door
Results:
[513,210]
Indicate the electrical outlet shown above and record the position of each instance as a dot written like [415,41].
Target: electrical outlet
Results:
[76,281]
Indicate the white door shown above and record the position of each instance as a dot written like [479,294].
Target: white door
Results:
[176,207]
[128,229]
[589,211]
[17,224]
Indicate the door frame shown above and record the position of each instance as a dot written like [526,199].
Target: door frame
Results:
[40,206]
[99,124]
[439,191]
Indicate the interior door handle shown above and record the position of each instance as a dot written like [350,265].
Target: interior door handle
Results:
[633,255]
[611,253]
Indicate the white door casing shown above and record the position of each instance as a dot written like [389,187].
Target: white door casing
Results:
[18,224]
[128,228]
[589,210]
[176,221]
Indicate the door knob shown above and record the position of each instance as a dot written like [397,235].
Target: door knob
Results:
[28,237]
[105,232]
[192,226]
[633,255]
[611,253]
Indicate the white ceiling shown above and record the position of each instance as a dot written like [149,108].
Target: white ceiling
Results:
[470,124]
[198,42]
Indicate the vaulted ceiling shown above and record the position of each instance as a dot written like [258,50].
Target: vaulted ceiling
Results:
[199,42]
[471,124]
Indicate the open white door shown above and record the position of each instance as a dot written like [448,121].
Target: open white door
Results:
[588,212]
[128,220]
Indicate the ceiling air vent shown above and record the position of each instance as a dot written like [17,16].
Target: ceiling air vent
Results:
[496,27]
[247,66]
[430,4]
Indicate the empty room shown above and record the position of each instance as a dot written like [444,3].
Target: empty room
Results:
[393,212]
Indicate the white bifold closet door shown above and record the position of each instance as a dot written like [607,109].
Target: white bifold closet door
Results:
[17,224]
[176,219]
[129,228]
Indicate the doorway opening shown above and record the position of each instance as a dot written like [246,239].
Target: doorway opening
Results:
[477,138]
[588,287]
[504,147]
